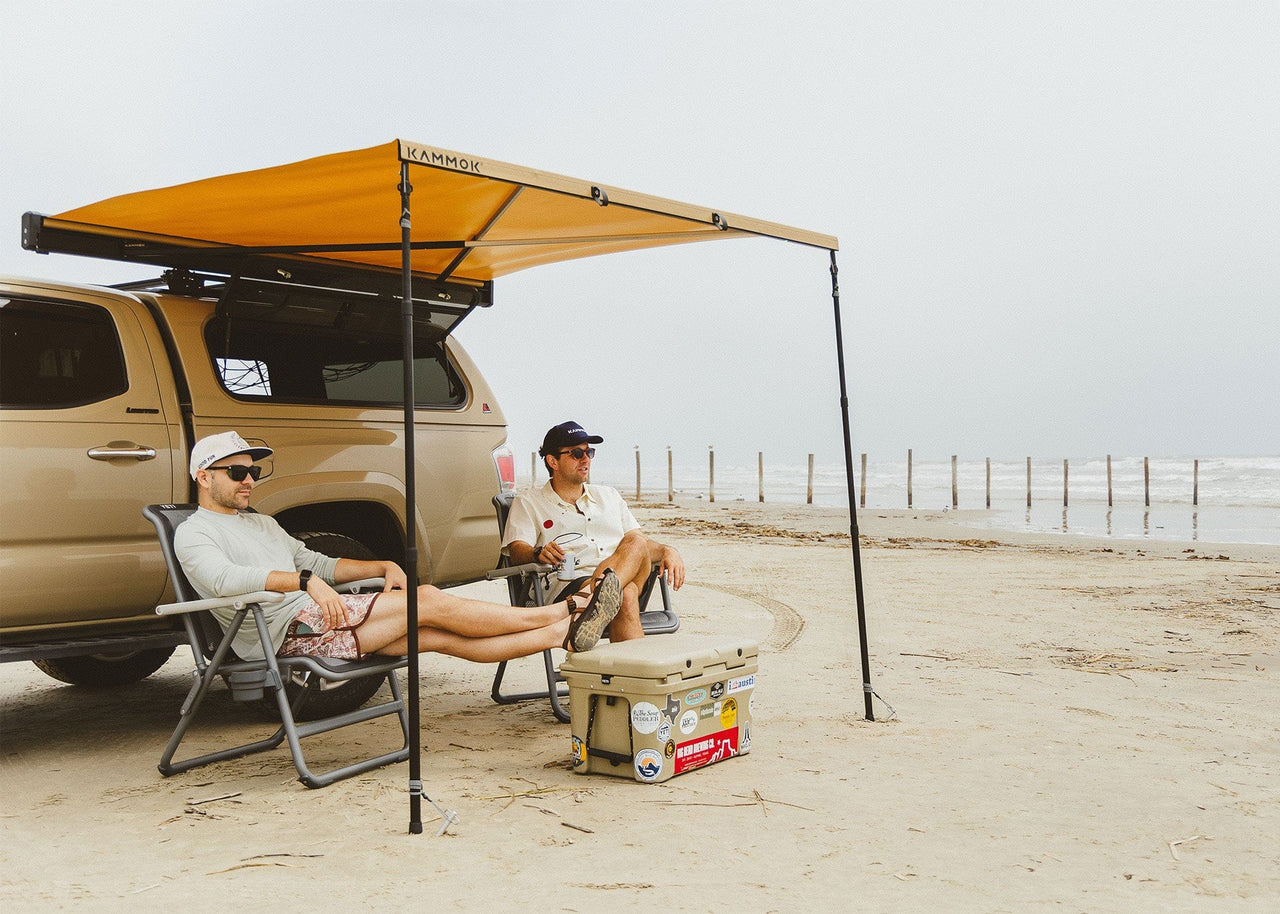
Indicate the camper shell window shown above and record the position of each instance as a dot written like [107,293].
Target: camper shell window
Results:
[304,344]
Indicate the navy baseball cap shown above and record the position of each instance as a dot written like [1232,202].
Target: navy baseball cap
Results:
[564,435]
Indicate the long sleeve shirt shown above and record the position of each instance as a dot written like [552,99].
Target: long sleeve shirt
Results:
[224,555]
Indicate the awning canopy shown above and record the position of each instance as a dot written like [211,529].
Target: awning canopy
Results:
[465,220]
[474,219]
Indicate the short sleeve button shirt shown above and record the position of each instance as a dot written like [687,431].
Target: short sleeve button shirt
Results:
[590,528]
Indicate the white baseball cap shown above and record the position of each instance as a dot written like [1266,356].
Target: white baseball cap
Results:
[209,450]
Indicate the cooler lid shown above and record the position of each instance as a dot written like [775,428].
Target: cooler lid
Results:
[663,656]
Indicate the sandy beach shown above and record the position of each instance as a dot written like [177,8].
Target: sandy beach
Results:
[1067,723]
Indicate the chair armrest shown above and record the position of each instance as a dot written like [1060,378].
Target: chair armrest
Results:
[364,585]
[237,602]
[512,570]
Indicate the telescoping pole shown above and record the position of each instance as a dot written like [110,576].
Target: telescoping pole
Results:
[853,509]
[411,503]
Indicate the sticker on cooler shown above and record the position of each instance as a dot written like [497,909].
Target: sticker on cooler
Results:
[742,683]
[645,717]
[649,764]
[688,722]
[704,750]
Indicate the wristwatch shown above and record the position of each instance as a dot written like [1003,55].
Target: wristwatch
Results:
[304,578]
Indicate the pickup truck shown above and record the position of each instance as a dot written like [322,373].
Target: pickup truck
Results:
[103,390]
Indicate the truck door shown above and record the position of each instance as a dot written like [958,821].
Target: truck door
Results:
[85,442]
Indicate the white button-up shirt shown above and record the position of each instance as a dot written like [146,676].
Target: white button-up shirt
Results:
[591,528]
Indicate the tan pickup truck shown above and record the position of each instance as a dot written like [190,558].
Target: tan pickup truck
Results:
[102,390]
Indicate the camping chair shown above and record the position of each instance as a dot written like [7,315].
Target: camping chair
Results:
[248,679]
[525,588]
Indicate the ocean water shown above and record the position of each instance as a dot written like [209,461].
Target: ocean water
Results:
[1238,497]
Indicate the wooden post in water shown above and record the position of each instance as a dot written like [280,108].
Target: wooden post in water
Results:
[711,471]
[908,477]
[1195,484]
[1028,482]
[637,472]
[671,485]
[809,498]
[1146,481]
[1064,482]
[988,482]
[1108,480]
[862,498]
[760,461]
[955,490]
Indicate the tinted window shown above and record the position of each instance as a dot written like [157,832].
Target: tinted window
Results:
[57,354]
[309,346]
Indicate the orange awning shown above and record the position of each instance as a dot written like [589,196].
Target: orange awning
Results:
[473,219]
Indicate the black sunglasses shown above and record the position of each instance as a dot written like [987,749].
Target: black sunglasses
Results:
[238,472]
[578,453]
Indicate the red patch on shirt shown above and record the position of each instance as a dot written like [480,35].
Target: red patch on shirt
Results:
[548,524]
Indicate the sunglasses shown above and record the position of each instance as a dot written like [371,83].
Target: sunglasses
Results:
[578,453]
[238,472]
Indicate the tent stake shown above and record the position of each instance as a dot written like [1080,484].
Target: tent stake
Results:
[853,508]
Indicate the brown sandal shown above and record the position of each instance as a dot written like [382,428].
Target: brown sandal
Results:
[589,623]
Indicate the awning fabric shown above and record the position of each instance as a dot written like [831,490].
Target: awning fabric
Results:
[474,219]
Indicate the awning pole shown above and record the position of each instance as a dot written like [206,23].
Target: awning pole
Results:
[410,503]
[853,508]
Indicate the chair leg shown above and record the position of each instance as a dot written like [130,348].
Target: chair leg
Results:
[190,707]
[295,732]
[553,691]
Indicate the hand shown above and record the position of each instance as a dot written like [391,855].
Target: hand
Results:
[395,578]
[331,605]
[672,567]
[550,554]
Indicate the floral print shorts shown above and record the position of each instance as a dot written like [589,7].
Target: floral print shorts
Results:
[307,635]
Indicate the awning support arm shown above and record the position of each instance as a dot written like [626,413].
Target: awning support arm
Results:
[493,220]
[853,507]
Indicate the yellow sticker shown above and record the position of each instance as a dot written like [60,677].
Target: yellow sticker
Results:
[729,713]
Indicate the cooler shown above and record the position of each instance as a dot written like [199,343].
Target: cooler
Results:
[656,707]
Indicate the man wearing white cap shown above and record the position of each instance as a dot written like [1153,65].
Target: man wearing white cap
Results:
[225,550]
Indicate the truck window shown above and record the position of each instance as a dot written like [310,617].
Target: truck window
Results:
[56,355]
[322,346]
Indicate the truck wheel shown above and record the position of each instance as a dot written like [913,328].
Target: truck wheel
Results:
[103,670]
[349,695]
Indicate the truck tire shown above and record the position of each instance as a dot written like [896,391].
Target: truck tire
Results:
[105,670]
[349,695]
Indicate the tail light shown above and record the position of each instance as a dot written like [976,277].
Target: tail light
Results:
[505,462]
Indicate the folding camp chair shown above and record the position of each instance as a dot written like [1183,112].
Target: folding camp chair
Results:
[249,679]
[525,588]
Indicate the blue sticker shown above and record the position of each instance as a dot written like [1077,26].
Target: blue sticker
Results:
[648,764]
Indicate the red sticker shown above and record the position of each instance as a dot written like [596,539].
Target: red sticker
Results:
[548,524]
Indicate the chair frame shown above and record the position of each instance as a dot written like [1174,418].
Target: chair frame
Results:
[525,588]
[249,679]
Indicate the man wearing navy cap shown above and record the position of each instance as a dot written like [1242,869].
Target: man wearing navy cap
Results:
[569,516]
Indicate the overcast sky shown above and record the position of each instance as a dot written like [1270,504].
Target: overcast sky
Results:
[1059,223]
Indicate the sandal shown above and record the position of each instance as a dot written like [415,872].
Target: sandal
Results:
[588,624]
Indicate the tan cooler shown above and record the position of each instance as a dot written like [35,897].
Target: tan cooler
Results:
[656,707]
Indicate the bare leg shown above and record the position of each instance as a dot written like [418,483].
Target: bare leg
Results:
[482,650]
[450,614]
[631,563]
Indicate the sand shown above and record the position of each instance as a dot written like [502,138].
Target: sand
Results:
[1076,725]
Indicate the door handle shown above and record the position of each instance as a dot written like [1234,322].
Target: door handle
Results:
[115,451]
